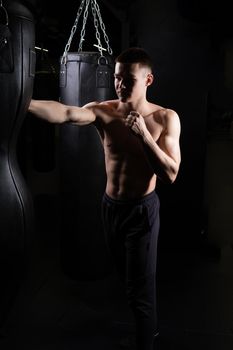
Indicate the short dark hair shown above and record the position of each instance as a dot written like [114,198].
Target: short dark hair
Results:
[135,55]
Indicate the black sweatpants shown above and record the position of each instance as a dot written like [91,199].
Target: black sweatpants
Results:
[132,229]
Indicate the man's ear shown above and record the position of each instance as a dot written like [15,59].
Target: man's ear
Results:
[149,79]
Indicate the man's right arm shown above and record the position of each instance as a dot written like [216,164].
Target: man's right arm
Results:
[56,112]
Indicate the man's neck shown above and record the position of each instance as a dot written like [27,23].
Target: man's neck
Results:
[139,106]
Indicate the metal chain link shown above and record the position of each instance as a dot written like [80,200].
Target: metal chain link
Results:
[96,24]
[73,30]
[95,12]
[102,27]
[83,31]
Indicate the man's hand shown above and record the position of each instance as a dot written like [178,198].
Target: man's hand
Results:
[136,122]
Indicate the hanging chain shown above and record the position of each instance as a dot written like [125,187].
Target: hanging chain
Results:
[96,24]
[83,31]
[97,21]
[73,30]
[102,26]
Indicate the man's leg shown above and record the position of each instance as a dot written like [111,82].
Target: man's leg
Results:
[141,256]
[132,230]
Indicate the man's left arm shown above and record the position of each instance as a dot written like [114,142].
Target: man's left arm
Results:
[164,155]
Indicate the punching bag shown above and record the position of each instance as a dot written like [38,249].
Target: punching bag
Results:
[83,178]
[84,77]
[17,65]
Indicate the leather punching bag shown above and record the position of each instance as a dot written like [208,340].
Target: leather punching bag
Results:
[86,77]
[17,65]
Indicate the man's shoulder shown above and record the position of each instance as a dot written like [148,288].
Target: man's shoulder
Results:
[103,106]
[164,114]
[161,110]
[111,104]
[106,109]
[103,110]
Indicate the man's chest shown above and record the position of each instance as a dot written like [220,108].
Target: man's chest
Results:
[118,137]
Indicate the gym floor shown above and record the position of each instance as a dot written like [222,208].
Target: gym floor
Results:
[195,297]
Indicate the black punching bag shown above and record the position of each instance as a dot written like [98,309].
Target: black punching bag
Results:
[86,77]
[17,65]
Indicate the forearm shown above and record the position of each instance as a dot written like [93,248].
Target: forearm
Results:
[165,167]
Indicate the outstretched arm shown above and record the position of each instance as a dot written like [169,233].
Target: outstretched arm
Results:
[56,112]
[164,155]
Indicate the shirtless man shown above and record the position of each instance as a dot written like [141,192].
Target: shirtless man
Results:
[141,144]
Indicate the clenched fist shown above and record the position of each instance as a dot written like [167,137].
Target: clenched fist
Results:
[136,122]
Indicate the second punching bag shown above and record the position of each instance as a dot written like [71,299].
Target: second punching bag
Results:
[17,68]
[84,77]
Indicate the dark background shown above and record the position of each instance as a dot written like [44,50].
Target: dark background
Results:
[191,44]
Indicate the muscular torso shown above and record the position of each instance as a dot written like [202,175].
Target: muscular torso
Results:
[129,174]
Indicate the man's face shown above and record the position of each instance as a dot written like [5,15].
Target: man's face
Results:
[130,81]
